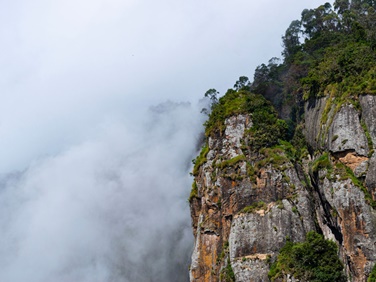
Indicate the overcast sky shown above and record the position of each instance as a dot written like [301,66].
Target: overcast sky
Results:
[67,66]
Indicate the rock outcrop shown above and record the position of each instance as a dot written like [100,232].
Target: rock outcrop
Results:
[248,202]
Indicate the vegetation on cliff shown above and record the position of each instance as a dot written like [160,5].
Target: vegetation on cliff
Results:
[315,259]
[330,52]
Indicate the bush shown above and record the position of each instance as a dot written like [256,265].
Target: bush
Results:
[254,207]
[267,129]
[321,163]
[315,259]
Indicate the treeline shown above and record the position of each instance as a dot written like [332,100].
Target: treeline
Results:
[329,51]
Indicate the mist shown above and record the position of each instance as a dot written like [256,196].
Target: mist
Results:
[94,171]
[113,208]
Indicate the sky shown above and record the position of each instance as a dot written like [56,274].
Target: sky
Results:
[65,66]
[99,121]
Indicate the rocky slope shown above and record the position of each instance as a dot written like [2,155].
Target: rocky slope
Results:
[247,201]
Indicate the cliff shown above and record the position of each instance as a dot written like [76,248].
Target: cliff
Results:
[253,192]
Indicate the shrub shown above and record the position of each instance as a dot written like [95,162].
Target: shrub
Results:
[315,259]
[321,163]
[254,207]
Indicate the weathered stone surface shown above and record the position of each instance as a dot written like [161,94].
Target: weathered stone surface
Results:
[371,176]
[358,164]
[368,104]
[258,236]
[312,116]
[296,199]
[224,190]
[346,133]
[252,268]
[357,225]
[218,196]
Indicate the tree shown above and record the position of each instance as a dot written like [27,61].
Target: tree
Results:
[242,83]
[212,95]
[291,43]
[341,6]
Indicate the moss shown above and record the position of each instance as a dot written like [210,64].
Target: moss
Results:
[254,207]
[227,273]
[223,252]
[194,192]
[294,209]
[346,173]
[232,162]
[200,160]
[280,204]
[323,162]
[369,139]
[274,156]
[251,173]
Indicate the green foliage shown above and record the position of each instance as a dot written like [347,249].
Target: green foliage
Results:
[194,192]
[200,160]
[322,162]
[372,276]
[233,102]
[299,143]
[315,259]
[347,173]
[231,162]
[348,67]
[267,129]
[223,253]
[369,139]
[254,207]
[227,273]
[280,205]
[242,84]
[275,156]
[291,42]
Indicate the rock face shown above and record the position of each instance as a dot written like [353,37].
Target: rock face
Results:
[248,202]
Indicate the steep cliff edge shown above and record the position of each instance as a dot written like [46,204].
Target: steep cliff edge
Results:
[294,199]
[253,192]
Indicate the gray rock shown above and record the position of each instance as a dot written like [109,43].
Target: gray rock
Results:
[312,116]
[258,236]
[368,104]
[346,132]
[371,176]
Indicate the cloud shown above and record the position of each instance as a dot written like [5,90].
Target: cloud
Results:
[67,65]
[110,209]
